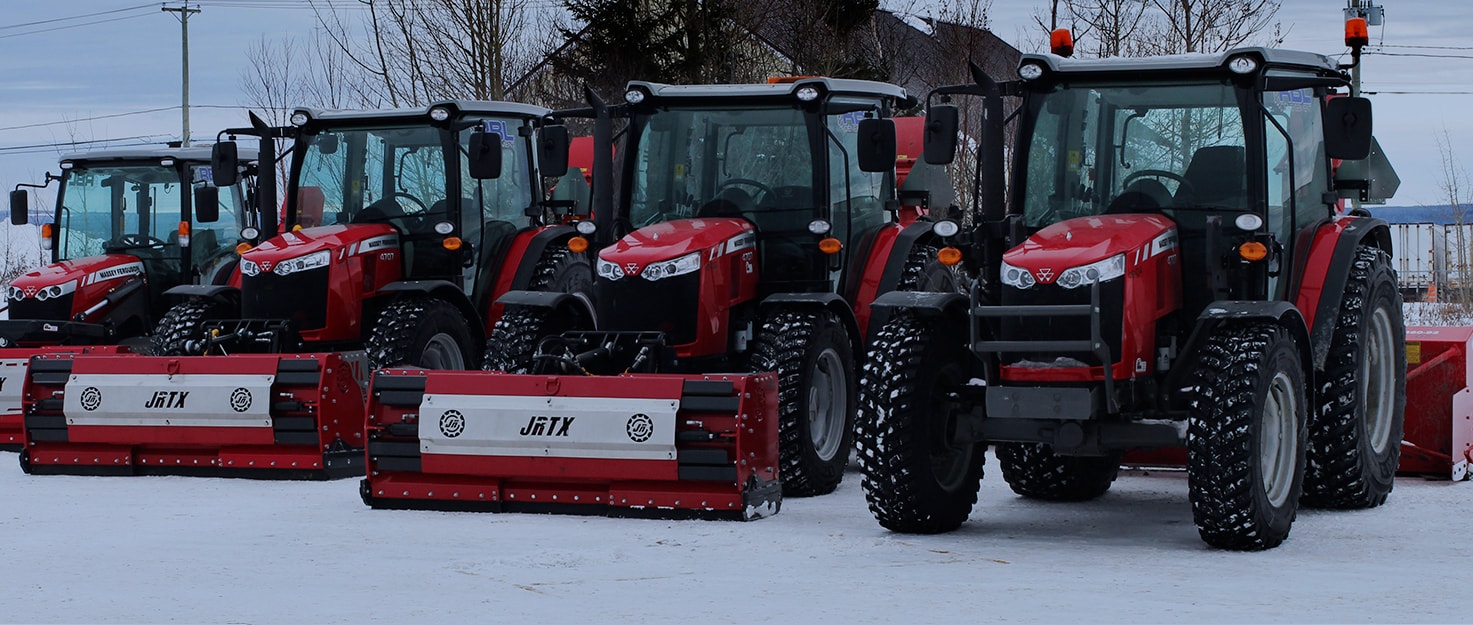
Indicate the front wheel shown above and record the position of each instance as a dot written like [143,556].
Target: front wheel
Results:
[917,478]
[1246,437]
[811,354]
[179,332]
[1034,471]
[420,331]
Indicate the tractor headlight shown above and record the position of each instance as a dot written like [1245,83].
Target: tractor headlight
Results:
[585,227]
[439,113]
[56,290]
[249,268]
[945,228]
[249,233]
[1017,277]
[1108,269]
[1248,222]
[609,270]
[1242,64]
[300,118]
[634,96]
[303,263]
[819,227]
[13,293]
[671,268]
[1030,71]
[807,94]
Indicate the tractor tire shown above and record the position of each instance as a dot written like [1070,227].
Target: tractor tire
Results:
[1355,435]
[811,353]
[420,331]
[514,338]
[1034,471]
[181,325]
[923,272]
[915,480]
[1246,437]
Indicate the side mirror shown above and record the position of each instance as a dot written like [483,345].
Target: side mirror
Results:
[553,145]
[876,145]
[20,207]
[327,144]
[1348,128]
[485,155]
[207,204]
[225,164]
[942,122]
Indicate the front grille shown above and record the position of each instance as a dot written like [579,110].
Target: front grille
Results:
[1074,328]
[54,309]
[636,304]
[300,297]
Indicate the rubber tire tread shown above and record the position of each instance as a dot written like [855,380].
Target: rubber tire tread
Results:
[514,338]
[406,326]
[894,429]
[1034,471]
[180,324]
[789,342]
[1229,504]
[1344,472]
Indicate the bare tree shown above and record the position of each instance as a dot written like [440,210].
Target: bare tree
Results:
[1108,28]
[1457,189]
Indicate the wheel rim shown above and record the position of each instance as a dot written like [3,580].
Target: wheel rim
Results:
[949,460]
[442,352]
[828,404]
[1378,379]
[1278,439]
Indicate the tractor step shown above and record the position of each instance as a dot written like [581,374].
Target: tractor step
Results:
[665,446]
[261,416]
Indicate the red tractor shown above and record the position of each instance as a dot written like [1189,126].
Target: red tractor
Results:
[129,224]
[1172,267]
[404,227]
[752,226]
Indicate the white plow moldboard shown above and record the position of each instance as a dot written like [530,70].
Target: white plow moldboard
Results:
[548,426]
[183,399]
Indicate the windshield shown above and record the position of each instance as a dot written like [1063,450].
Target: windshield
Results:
[1126,147]
[118,209]
[390,175]
[506,197]
[722,162]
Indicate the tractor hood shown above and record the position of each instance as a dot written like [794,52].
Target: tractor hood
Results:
[93,272]
[339,240]
[674,239]
[1085,240]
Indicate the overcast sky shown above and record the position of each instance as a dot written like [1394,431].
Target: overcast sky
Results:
[83,79]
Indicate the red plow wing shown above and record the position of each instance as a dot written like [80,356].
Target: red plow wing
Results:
[13,364]
[630,445]
[1439,415]
[272,416]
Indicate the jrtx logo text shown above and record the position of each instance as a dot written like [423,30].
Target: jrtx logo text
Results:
[547,426]
[167,399]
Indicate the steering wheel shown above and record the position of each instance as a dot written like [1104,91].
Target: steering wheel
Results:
[423,208]
[1181,181]
[132,241]
[766,190]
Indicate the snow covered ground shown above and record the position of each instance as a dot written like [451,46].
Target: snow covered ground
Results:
[234,551]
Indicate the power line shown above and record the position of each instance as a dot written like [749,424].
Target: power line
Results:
[1388,45]
[47,30]
[1419,92]
[1426,56]
[126,114]
[45,147]
[76,17]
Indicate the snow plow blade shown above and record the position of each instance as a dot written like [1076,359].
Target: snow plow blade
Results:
[648,445]
[13,364]
[267,416]
[1439,414]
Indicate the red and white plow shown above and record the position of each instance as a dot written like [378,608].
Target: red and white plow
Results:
[13,364]
[264,416]
[647,445]
[1439,415]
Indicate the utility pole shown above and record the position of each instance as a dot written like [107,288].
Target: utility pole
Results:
[184,13]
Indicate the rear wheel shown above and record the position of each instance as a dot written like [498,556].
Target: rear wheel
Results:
[1033,470]
[917,478]
[1246,437]
[179,332]
[515,336]
[811,354]
[1355,436]
[420,331]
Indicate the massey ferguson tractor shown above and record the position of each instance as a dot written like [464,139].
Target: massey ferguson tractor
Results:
[1171,267]
[714,371]
[403,226]
[129,224]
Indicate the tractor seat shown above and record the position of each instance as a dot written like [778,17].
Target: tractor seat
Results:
[731,202]
[1142,196]
[1215,177]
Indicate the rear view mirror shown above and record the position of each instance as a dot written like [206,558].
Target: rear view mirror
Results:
[1348,128]
[942,122]
[225,164]
[485,155]
[20,207]
[207,204]
[327,144]
[876,145]
[552,151]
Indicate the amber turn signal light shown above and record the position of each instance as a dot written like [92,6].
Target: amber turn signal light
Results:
[949,256]
[577,245]
[451,243]
[1253,251]
[830,245]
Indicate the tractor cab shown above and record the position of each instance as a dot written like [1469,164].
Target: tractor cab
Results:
[128,225]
